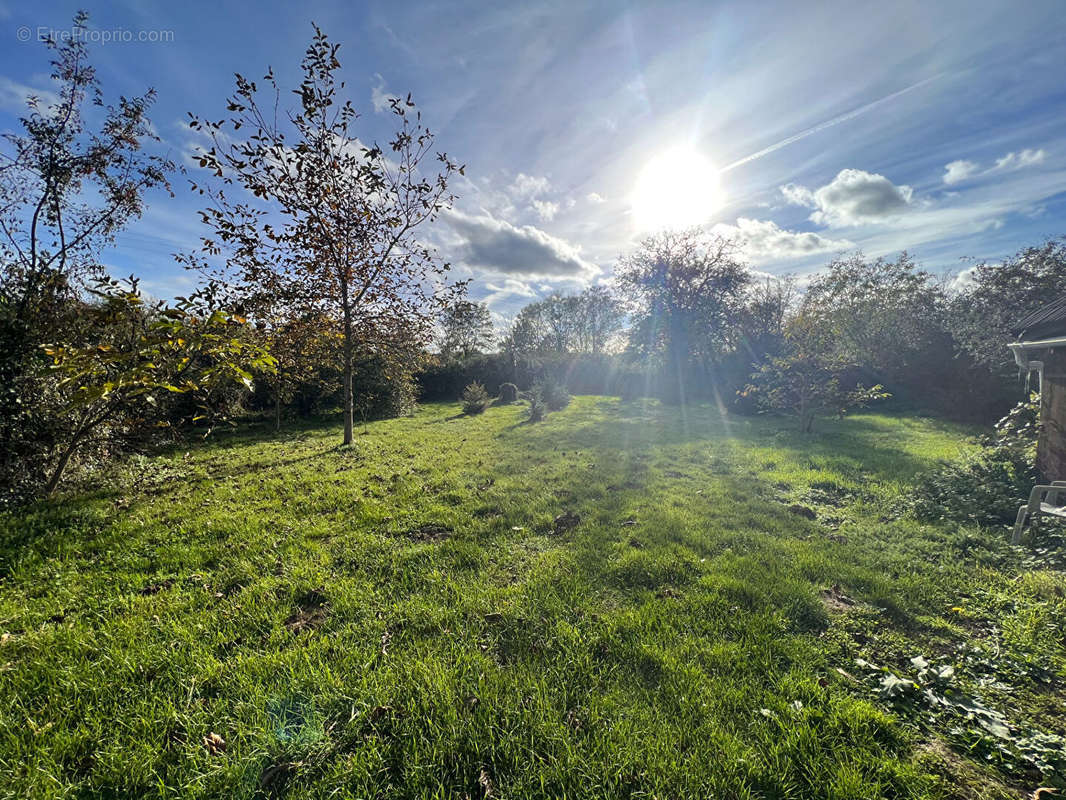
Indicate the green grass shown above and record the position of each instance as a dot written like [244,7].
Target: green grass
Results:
[402,619]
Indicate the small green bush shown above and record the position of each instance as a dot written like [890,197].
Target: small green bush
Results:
[555,395]
[508,393]
[537,408]
[985,487]
[475,398]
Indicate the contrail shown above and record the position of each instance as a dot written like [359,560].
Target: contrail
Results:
[827,124]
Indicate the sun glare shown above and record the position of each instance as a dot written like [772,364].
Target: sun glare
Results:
[676,189]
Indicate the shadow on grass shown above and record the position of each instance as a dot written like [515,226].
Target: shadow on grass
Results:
[51,526]
[857,442]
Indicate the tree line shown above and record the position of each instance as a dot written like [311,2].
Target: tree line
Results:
[316,291]
[686,320]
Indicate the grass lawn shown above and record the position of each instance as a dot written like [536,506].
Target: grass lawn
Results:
[274,616]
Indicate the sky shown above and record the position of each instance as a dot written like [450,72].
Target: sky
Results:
[802,129]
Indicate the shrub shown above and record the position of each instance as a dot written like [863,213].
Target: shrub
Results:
[475,398]
[555,395]
[985,487]
[508,393]
[537,408]
[811,377]
[445,379]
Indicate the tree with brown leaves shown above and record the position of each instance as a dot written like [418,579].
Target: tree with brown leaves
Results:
[333,223]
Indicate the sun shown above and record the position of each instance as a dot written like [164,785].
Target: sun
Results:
[677,188]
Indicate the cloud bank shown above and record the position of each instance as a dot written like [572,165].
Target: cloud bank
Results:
[853,197]
[764,240]
[496,245]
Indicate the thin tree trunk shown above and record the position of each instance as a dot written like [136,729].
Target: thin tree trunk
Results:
[677,357]
[61,465]
[349,400]
[277,408]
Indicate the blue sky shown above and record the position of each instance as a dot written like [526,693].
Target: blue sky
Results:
[831,126]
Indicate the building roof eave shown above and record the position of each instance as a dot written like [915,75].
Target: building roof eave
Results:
[1038,344]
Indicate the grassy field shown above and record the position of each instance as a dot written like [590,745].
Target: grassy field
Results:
[624,600]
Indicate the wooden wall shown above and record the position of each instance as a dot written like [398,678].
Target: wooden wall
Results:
[1051,444]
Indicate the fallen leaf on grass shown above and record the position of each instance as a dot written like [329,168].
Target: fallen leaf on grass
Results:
[215,744]
[377,712]
[484,780]
[847,675]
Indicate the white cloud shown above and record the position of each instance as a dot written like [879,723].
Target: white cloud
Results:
[964,280]
[13,96]
[509,288]
[855,197]
[498,246]
[545,209]
[796,195]
[1023,158]
[764,240]
[595,198]
[379,98]
[958,171]
[529,186]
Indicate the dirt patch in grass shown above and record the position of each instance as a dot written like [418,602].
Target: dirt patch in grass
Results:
[311,611]
[274,780]
[431,532]
[566,521]
[965,780]
[802,511]
[156,588]
[836,601]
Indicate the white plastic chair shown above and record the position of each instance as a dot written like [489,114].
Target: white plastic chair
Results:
[1047,499]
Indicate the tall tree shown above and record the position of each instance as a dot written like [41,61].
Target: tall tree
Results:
[66,189]
[766,311]
[334,222]
[883,314]
[466,329]
[301,345]
[581,323]
[599,319]
[686,292]
[998,295]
